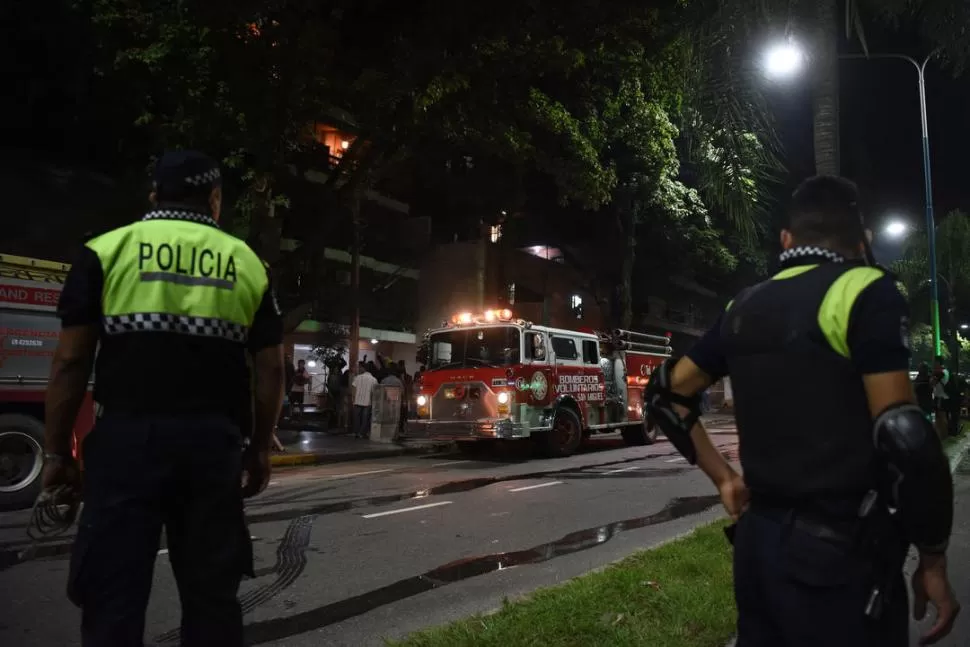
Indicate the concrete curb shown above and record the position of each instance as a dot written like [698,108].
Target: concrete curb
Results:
[955,453]
[320,458]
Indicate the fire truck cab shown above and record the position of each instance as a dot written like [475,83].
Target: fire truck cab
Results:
[29,291]
[491,376]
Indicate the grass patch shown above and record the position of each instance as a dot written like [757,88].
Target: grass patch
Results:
[678,595]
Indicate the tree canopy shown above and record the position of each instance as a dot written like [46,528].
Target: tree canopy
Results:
[616,107]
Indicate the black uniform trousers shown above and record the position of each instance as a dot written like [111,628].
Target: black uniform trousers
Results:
[796,590]
[142,473]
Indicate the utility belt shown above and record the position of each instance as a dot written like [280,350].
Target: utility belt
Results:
[871,536]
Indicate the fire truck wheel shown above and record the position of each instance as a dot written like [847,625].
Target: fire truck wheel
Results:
[21,460]
[639,435]
[565,436]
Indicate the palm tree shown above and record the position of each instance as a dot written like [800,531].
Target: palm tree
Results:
[953,269]
[941,24]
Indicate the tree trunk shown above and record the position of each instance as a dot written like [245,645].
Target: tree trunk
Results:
[353,351]
[629,257]
[826,88]
[265,230]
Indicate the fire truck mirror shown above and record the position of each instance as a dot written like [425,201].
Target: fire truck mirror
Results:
[536,346]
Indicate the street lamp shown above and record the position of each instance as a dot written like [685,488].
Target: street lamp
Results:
[896,229]
[783,60]
[927,180]
[786,59]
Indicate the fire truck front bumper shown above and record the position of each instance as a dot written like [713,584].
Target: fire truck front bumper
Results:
[468,430]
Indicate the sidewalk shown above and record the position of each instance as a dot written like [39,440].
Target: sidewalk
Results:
[313,448]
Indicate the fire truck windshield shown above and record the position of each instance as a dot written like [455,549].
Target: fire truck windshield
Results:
[470,347]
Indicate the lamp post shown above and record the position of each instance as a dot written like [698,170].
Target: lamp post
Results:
[785,60]
[928,184]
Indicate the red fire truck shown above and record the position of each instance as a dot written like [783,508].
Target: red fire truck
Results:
[491,376]
[29,290]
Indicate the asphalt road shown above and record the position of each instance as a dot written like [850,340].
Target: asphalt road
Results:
[353,553]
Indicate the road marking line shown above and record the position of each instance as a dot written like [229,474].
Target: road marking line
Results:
[347,476]
[532,487]
[622,469]
[163,551]
[412,508]
[679,459]
[448,463]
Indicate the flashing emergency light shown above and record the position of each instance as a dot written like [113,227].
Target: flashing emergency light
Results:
[489,316]
[503,397]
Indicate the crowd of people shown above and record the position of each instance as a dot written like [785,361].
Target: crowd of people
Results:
[340,383]
[940,396]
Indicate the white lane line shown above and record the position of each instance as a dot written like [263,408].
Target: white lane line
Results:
[532,487]
[679,459]
[623,469]
[352,474]
[448,463]
[411,509]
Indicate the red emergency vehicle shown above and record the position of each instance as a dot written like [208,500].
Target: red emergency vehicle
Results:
[29,291]
[491,376]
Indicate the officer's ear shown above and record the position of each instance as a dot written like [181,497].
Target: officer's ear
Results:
[787,240]
[215,202]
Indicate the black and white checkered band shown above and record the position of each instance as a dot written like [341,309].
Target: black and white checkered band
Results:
[209,177]
[181,324]
[809,253]
[178,214]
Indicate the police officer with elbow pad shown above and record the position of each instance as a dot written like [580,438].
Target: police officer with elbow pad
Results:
[842,472]
[180,310]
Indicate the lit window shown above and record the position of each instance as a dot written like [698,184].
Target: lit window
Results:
[576,305]
[495,233]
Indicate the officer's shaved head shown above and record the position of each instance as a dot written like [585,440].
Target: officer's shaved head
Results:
[825,212]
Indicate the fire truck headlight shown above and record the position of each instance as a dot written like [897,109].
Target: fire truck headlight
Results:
[422,400]
[503,397]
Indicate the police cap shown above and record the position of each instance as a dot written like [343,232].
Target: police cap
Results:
[183,174]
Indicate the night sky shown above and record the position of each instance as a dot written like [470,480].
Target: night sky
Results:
[881,134]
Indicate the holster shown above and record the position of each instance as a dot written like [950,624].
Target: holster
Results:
[882,538]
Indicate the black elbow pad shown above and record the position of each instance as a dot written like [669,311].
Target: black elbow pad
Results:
[660,402]
[923,488]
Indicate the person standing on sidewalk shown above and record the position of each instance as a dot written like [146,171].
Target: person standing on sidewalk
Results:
[818,551]
[362,387]
[167,448]
[301,381]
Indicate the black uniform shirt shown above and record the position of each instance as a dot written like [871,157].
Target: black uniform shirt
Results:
[878,334]
[167,372]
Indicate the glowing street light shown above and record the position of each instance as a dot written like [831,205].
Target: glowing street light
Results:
[897,229]
[783,60]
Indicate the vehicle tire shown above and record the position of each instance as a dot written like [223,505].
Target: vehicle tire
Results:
[565,436]
[639,435]
[21,460]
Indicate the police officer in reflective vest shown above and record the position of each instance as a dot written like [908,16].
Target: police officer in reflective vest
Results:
[841,470]
[176,305]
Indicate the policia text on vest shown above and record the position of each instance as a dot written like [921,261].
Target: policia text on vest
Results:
[188,266]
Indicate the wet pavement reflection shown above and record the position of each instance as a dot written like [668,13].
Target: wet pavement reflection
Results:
[279,628]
